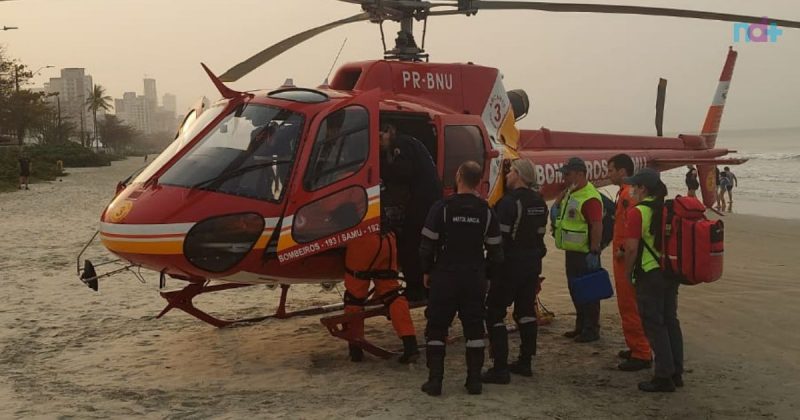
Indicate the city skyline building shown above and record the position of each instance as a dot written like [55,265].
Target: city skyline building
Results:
[143,111]
[73,88]
[151,95]
[170,102]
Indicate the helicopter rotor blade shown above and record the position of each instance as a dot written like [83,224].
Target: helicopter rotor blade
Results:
[405,4]
[613,9]
[240,70]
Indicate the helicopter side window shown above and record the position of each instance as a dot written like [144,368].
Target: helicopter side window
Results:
[333,213]
[461,143]
[340,148]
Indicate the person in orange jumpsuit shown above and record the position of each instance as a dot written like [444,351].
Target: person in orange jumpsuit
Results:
[638,355]
[372,258]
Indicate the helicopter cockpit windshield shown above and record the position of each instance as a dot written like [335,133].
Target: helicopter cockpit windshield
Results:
[249,154]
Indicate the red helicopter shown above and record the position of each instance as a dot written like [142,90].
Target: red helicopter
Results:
[265,186]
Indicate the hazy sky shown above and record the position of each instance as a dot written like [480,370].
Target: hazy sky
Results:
[582,72]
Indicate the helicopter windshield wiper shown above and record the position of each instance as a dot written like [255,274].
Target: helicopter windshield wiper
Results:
[132,175]
[230,174]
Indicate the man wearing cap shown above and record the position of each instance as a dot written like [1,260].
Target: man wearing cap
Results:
[656,295]
[522,214]
[637,355]
[578,231]
[411,181]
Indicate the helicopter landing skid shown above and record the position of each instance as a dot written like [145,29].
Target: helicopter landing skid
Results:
[182,299]
[339,326]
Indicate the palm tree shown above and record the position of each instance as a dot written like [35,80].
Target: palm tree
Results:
[96,101]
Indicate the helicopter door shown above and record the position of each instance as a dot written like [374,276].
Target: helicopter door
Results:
[461,138]
[335,195]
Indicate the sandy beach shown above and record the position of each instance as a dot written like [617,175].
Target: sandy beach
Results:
[68,352]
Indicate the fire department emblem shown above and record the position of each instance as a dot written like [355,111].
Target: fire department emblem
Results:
[118,211]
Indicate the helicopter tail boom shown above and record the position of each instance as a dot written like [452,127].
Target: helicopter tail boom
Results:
[706,173]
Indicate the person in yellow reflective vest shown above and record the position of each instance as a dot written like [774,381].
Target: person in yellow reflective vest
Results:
[656,295]
[578,231]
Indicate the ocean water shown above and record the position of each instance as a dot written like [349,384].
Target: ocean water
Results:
[769,182]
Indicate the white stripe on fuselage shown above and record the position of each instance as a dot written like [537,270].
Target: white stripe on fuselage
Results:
[163,228]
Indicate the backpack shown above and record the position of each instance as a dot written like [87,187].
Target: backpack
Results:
[609,214]
[693,245]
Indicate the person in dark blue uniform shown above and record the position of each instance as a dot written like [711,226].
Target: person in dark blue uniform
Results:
[456,232]
[522,214]
[411,186]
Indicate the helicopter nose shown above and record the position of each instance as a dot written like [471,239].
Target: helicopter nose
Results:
[160,229]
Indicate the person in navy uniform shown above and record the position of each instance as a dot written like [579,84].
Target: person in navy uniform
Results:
[411,181]
[522,214]
[456,232]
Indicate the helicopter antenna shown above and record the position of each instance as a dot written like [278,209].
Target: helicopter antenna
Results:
[335,60]
[424,31]
[383,37]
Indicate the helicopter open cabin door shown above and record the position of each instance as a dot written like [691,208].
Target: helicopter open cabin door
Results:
[461,138]
[335,195]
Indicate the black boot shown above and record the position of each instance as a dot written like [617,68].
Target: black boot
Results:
[633,364]
[677,379]
[356,354]
[528,334]
[499,374]
[435,361]
[658,385]
[474,357]
[410,351]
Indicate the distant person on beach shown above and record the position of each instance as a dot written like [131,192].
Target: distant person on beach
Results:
[725,185]
[24,170]
[732,181]
[145,157]
[719,196]
[692,184]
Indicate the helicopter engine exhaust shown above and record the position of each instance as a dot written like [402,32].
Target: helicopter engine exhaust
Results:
[519,103]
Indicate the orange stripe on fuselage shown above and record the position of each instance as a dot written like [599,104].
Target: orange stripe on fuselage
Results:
[132,236]
[148,248]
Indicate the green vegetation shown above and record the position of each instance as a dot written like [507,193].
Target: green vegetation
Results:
[99,100]
[28,117]
[44,162]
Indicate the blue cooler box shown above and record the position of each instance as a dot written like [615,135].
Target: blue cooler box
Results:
[592,287]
